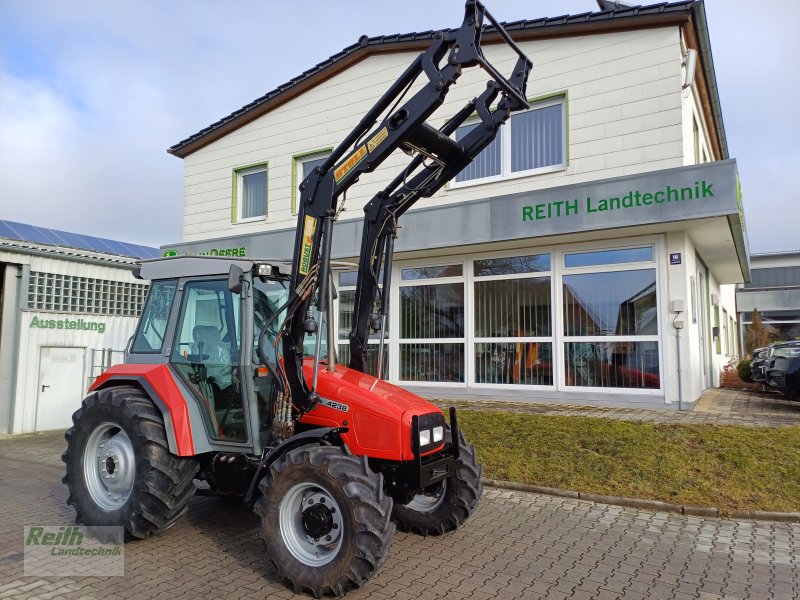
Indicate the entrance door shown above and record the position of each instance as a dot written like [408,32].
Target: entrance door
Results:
[60,387]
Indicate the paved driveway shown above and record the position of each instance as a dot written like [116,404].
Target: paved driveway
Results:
[518,545]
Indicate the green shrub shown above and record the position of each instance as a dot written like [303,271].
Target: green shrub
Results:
[743,369]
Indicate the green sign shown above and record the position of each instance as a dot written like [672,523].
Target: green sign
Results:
[240,251]
[632,199]
[80,324]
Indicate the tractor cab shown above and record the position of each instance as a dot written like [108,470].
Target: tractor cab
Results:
[204,317]
[203,342]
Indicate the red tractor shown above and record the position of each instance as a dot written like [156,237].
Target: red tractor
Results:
[229,379]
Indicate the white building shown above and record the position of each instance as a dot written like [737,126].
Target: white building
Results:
[775,292]
[69,304]
[558,265]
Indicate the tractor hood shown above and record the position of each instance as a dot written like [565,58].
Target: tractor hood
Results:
[377,413]
[346,382]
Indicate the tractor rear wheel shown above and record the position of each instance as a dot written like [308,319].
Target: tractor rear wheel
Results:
[325,519]
[446,505]
[119,468]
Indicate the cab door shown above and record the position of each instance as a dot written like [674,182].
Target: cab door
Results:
[207,355]
[268,296]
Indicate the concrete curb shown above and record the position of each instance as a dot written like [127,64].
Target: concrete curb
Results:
[695,511]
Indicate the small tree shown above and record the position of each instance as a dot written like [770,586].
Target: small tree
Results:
[757,334]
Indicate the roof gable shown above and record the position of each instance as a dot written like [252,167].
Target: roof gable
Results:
[656,15]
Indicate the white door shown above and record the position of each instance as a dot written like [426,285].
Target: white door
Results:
[60,387]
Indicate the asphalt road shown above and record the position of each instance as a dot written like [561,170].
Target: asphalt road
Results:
[518,545]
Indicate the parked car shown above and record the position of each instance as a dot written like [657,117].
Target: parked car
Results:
[782,368]
[760,357]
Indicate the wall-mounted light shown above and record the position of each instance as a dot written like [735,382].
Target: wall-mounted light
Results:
[690,62]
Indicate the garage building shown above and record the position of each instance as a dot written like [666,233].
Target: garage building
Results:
[68,304]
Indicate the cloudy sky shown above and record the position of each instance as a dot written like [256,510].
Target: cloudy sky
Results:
[92,92]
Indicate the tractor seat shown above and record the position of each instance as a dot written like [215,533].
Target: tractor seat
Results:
[218,362]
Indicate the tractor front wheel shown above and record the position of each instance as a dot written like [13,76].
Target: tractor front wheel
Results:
[119,468]
[325,519]
[446,505]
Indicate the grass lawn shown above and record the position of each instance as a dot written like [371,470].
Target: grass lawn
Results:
[723,466]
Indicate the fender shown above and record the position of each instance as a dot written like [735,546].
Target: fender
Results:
[157,382]
[296,441]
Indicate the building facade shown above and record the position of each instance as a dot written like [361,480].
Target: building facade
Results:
[774,290]
[69,304]
[584,255]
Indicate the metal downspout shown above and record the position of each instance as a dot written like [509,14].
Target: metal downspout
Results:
[680,382]
[23,277]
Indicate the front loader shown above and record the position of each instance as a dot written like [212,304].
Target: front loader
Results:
[232,378]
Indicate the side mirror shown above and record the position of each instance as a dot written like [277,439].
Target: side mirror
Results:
[235,278]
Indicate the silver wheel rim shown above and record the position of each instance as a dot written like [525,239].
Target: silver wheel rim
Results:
[308,502]
[109,466]
[428,501]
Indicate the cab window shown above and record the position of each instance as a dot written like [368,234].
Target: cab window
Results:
[155,316]
[206,355]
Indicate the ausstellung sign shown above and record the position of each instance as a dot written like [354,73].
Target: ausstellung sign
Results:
[631,199]
[82,324]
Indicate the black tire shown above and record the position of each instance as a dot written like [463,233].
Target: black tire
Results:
[361,545]
[162,482]
[445,506]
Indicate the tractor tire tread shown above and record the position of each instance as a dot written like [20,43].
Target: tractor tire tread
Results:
[374,529]
[164,483]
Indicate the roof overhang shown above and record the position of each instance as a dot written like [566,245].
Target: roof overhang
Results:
[12,247]
[188,265]
[768,300]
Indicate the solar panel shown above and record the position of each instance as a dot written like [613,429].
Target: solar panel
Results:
[54,237]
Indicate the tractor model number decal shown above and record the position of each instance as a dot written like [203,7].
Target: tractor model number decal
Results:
[377,139]
[349,164]
[334,405]
[308,244]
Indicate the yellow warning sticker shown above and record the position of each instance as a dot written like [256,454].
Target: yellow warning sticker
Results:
[343,169]
[376,139]
[309,228]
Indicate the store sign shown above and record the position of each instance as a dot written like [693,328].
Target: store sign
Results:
[76,324]
[240,251]
[652,197]
[630,199]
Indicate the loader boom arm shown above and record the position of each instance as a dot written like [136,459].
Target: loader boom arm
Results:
[391,123]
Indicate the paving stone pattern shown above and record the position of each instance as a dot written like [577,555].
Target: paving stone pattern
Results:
[518,545]
[720,407]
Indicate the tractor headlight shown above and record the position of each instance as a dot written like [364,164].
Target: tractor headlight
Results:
[264,270]
[424,437]
[429,431]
